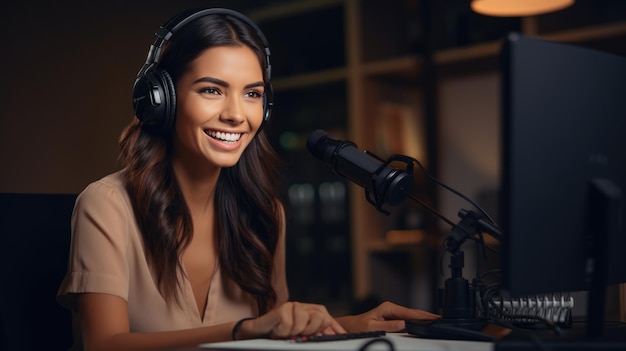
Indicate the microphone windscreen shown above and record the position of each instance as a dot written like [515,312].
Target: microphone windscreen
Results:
[312,142]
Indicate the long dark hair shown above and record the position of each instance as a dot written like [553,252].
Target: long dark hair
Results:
[248,211]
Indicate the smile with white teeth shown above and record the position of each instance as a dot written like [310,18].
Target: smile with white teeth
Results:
[225,137]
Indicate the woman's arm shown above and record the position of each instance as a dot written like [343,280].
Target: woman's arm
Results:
[104,326]
[279,277]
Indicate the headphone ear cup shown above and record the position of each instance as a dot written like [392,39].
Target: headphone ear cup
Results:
[154,99]
[169,107]
[268,103]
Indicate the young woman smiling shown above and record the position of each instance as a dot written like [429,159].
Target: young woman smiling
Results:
[186,243]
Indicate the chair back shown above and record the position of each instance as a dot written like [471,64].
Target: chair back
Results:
[34,245]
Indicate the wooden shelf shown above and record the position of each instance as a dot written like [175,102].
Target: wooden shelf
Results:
[309,79]
[406,65]
[398,241]
[410,66]
[492,49]
[366,81]
[591,33]
[476,51]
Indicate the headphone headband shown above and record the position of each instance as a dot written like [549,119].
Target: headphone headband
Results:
[165,32]
[154,97]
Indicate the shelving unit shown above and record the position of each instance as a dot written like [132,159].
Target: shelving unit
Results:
[366,66]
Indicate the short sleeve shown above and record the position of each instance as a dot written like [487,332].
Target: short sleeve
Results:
[98,252]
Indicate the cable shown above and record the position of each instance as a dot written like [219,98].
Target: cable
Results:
[458,193]
[367,344]
[435,212]
[479,225]
[548,323]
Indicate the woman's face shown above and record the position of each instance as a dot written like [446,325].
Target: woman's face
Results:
[219,107]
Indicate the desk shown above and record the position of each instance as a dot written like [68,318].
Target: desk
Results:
[400,341]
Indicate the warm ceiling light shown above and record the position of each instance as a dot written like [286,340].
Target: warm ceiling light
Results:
[518,8]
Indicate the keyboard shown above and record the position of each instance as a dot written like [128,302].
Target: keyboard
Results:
[348,336]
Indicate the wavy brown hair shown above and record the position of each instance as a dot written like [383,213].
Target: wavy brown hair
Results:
[248,211]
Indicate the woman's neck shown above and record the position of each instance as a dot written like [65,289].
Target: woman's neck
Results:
[197,184]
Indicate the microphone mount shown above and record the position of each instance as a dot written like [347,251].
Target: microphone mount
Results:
[387,185]
[457,299]
[458,296]
[378,200]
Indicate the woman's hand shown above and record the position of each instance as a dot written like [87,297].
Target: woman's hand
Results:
[386,316]
[291,319]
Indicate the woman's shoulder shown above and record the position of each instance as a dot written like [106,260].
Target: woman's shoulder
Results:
[112,182]
[109,188]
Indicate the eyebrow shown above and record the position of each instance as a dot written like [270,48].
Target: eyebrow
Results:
[225,84]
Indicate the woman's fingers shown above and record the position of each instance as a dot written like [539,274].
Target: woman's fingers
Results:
[301,318]
[335,328]
[315,325]
[294,318]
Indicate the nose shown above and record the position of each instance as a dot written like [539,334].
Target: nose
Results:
[233,111]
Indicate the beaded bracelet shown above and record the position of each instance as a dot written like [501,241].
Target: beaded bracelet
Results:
[237,326]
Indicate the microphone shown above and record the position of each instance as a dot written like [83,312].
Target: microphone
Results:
[389,185]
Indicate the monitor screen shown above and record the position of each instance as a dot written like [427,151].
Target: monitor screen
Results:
[563,128]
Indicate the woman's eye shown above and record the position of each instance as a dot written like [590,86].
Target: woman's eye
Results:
[254,94]
[209,90]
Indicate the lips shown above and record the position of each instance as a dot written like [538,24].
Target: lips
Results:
[223,136]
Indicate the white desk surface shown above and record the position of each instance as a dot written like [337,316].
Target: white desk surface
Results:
[401,342]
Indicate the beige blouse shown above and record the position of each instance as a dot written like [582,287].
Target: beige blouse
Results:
[107,256]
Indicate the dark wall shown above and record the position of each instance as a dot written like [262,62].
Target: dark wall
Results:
[66,72]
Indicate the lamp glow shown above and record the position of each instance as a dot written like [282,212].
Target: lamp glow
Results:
[518,8]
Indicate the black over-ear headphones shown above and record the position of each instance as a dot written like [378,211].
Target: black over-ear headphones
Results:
[154,95]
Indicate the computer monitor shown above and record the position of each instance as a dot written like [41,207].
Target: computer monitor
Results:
[563,167]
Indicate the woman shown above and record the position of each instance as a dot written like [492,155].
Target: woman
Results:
[185,245]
